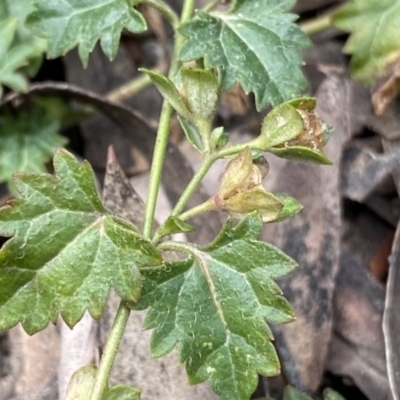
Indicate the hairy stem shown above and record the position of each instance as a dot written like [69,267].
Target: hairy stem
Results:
[201,208]
[110,352]
[194,183]
[233,150]
[163,132]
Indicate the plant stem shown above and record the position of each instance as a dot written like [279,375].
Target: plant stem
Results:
[129,89]
[211,5]
[160,148]
[201,208]
[233,150]
[165,10]
[318,24]
[110,352]
[194,183]
[123,312]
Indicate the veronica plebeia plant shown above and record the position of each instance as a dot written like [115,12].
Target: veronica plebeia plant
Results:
[67,251]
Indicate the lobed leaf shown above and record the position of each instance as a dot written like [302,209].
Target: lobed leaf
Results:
[255,43]
[27,142]
[67,251]
[215,304]
[374,42]
[72,23]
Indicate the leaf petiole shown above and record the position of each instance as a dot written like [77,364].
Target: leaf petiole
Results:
[165,10]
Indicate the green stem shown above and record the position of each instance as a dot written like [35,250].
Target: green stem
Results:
[110,352]
[233,150]
[163,132]
[194,183]
[165,10]
[318,24]
[211,5]
[201,208]
[123,312]
[129,89]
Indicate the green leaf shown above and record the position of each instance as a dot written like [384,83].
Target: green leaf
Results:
[12,58]
[81,383]
[170,93]
[374,40]
[256,43]
[174,225]
[300,153]
[215,304]
[330,394]
[72,23]
[201,89]
[27,142]
[280,125]
[290,206]
[37,46]
[67,251]
[192,134]
[122,392]
[219,138]
[291,393]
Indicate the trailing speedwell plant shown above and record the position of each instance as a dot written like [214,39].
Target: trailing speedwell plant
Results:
[67,250]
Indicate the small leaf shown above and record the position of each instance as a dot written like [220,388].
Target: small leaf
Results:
[291,393]
[12,58]
[290,206]
[256,43]
[215,303]
[122,392]
[72,23]
[191,133]
[280,125]
[81,384]
[219,139]
[67,251]
[300,153]
[374,40]
[170,93]
[174,225]
[27,142]
[330,394]
[201,89]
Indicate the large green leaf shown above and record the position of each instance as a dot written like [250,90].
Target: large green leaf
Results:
[12,57]
[37,46]
[256,42]
[67,251]
[27,142]
[70,23]
[375,35]
[215,304]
